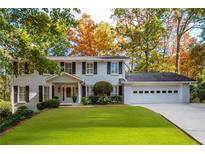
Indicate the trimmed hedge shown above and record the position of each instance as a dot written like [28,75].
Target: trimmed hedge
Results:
[51,103]
[102,88]
[92,100]
[21,114]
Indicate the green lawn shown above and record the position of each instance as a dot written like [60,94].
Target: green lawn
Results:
[97,125]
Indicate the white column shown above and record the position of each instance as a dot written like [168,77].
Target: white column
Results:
[79,92]
[50,90]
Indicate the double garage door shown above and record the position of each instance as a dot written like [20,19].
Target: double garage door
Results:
[152,94]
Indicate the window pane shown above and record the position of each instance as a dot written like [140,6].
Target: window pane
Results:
[89,68]
[22,94]
[68,68]
[89,90]
[114,68]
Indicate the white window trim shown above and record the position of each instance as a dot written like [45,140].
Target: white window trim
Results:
[115,73]
[87,68]
[65,67]
[21,102]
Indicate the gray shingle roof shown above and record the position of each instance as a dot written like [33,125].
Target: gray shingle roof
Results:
[156,76]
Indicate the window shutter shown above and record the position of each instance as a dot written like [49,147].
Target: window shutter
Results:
[40,95]
[83,67]
[26,70]
[53,92]
[73,67]
[15,68]
[95,67]
[83,91]
[15,94]
[120,91]
[62,66]
[27,94]
[108,67]
[120,67]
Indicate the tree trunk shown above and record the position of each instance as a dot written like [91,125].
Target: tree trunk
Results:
[178,54]
[147,61]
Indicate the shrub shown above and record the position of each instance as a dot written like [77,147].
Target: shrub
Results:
[40,106]
[22,113]
[5,109]
[94,99]
[86,101]
[104,100]
[116,99]
[55,97]
[51,103]
[102,88]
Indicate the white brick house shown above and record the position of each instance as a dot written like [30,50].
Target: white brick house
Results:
[80,73]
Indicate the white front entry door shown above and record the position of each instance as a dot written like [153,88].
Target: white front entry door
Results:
[66,94]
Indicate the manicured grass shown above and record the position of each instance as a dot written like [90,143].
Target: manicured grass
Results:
[97,125]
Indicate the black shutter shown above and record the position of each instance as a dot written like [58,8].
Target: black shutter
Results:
[73,67]
[120,67]
[27,93]
[95,67]
[15,94]
[83,91]
[26,70]
[83,67]
[40,94]
[62,66]
[53,92]
[108,67]
[120,91]
[15,68]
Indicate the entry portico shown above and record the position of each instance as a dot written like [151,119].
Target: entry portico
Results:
[65,87]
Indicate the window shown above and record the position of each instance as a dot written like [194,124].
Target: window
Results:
[90,68]
[164,91]
[141,92]
[89,90]
[115,91]
[158,91]
[46,93]
[114,68]
[146,92]
[68,68]
[135,92]
[169,91]
[176,91]
[22,94]
[152,91]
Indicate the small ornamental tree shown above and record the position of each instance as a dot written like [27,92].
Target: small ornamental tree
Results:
[201,91]
[102,88]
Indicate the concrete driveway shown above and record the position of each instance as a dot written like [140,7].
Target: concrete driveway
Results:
[189,117]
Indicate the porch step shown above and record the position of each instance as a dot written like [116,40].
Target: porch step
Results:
[66,104]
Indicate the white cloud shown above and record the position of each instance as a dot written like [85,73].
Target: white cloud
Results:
[97,14]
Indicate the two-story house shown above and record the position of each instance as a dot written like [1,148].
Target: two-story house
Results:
[80,73]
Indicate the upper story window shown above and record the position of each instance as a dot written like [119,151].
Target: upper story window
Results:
[114,68]
[90,68]
[68,68]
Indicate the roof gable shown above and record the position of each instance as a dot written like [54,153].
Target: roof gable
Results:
[64,77]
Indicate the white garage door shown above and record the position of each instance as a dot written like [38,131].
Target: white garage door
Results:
[152,94]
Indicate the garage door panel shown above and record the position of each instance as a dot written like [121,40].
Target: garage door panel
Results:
[168,94]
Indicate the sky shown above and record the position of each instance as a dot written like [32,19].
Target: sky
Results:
[103,14]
